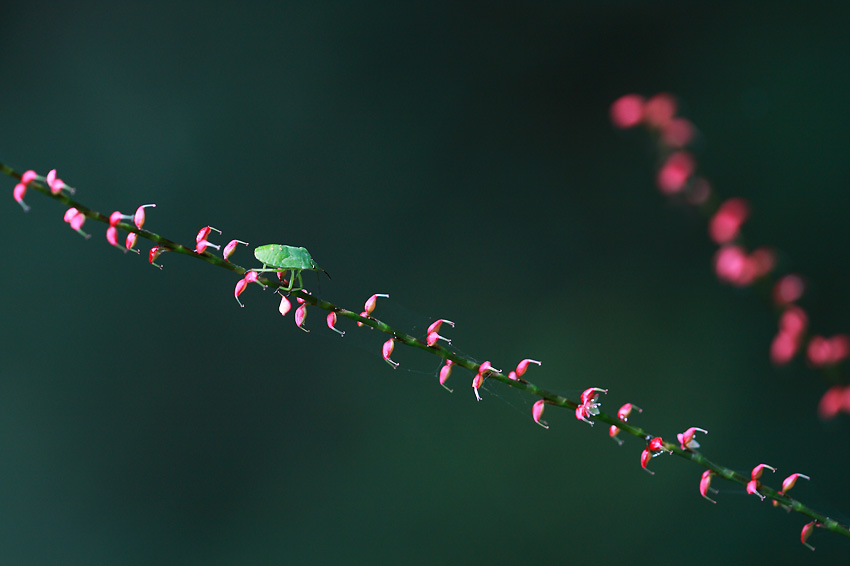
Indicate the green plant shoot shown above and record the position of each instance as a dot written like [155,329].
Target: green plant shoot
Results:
[279,258]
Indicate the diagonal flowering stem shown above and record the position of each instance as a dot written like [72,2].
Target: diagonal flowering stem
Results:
[587,409]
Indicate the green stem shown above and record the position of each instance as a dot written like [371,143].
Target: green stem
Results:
[437,350]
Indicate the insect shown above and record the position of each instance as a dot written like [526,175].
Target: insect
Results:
[279,258]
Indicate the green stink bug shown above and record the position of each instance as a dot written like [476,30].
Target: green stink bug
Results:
[279,258]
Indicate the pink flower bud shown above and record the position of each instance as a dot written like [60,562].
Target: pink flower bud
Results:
[28,177]
[645,457]
[240,287]
[626,410]
[372,301]
[824,352]
[627,111]
[230,248]
[753,485]
[726,222]
[433,337]
[301,316]
[677,133]
[18,193]
[656,444]
[130,242]
[112,238]
[155,252]
[139,216]
[675,172]
[387,351]
[613,431]
[759,470]
[477,382]
[522,367]
[435,326]
[807,532]
[537,412]
[445,372]
[833,402]
[788,289]
[486,368]
[56,184]
[686,439]
[285,305]
[705,485]
[76,219]
[659,110]
[202,242]
[790,481]
[331,318]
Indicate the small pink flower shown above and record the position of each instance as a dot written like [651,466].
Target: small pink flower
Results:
[790,481]
[18,193]
[155,252]
[659,110]
[250,277]
[522,367]
[705,485]
[434,327]
[387,351]
[645,457]
[112,238]
[285,305]
[486,368]
[613,431]
[726,222]
[130,242]
[537,412]
[445,372]
[753,485]
[202,242]
[477,382]
[653,448]
[76,219]
[28,177]
[230,248]
[835,400]
[372,301]
[686,439]
[788,289]
[675,172]
[56,184]
[301,316]
[627,111]
[331,318]
[677,133]
[807,532]
[824,352]
[626,410]
[589,406]
[138,218]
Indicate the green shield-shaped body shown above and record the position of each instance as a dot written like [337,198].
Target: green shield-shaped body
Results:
[285,257]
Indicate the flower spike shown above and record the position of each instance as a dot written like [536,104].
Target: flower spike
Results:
[332,323]
[537,412]
[387,350]
[686,439]
[230,248]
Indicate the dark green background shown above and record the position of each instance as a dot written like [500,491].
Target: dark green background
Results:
[459,157]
